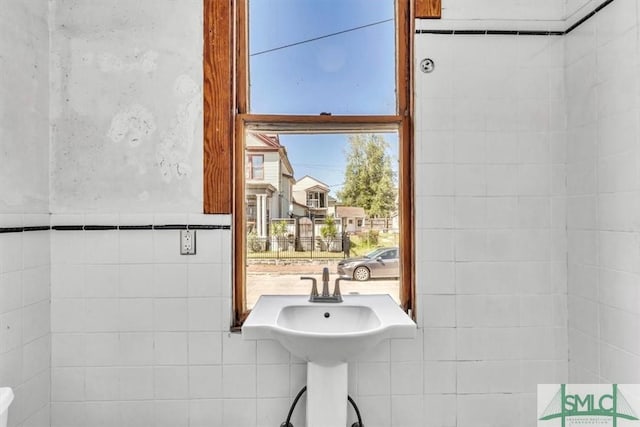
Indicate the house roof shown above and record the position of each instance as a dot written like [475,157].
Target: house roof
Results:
[350,212]
[270,142]
[312,185]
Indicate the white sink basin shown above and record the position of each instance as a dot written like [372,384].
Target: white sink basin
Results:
[328,333]
[327,336]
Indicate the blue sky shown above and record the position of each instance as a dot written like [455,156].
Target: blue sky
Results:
[314,77]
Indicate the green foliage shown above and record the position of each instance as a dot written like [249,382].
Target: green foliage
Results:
[329,229]
[254,243]
[369,178]
[278,229]
[372,237]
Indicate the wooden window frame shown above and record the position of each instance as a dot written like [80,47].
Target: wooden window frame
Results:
[226,118]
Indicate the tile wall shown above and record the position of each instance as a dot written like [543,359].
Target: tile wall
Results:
[490,219]
[602,60]
[25,340]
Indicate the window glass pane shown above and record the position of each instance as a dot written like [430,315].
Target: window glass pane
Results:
[322,56]
[326,200]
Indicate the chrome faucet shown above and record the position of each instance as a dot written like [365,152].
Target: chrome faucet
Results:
[326,296]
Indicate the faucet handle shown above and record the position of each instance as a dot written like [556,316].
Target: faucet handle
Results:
[336,288]
[314,285]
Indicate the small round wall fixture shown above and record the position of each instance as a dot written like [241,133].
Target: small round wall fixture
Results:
[427,65]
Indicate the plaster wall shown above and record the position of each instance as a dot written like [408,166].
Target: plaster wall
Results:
[126,106]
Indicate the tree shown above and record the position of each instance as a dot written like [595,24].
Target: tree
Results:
[369,180]
[329,231]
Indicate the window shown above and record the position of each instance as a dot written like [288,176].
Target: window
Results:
[279,98]
[255,166]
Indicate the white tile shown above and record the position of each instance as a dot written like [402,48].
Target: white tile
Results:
[487,410]
[67,350]
[10,330]
[170,280]
[102,349]
[375,410]
[36,285]
[101,281]
[10,252]
[136,413]
[439,377]
[136,383]
[36,249]
[102,413]
[205,348]
[67,384]
[502,180]
[68,315]
[171,382]
[104,247]
[272,381]
[488,343]
[406,378]
[407,350]
[237,351]
[36,356]
[272,411]
[10,291]
[136,348]
[166,247]
[406,411]
[374,379]
[439,410]
[239,412]
[435,245]
[204,280]
[205,413]
[135,246]
[487,310]
[204,314]
[470,212]
[172,414]
[136,280]
[67,281]
[65,414]
[439,344]
[205,382]
[170,314]
[135,314]
[101,315]
[439,310]
[434,180]
[470,180]
[489,377]
[435,278]
[171,348]
[102,383]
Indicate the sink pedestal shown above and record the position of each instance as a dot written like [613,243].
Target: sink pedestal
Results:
[326,395]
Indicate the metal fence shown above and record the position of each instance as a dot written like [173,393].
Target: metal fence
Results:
[297,247]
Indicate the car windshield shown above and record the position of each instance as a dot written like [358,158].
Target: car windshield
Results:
[375,253]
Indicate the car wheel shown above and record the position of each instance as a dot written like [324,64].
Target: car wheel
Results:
[361,274]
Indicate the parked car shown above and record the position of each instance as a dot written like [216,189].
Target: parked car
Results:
[380,263]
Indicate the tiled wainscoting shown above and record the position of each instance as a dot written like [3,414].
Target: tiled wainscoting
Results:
[25,347]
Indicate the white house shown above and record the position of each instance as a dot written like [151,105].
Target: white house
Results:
[268,181]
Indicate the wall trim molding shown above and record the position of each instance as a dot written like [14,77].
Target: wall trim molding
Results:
[5,230]
[483,32]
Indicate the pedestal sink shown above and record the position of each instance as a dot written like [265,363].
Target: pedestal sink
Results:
[327,336]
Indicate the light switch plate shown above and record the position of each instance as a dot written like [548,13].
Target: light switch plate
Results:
[187,242]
